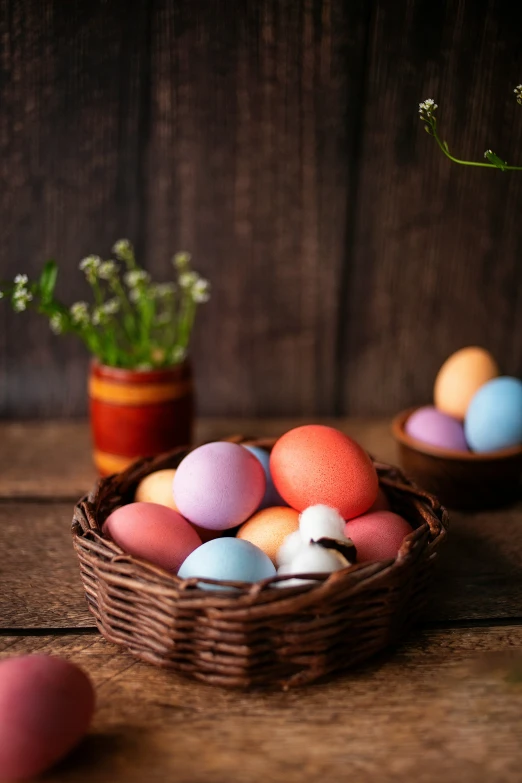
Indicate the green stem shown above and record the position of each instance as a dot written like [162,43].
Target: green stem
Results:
[471,162]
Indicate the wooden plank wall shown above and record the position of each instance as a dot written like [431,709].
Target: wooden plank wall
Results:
[278,140]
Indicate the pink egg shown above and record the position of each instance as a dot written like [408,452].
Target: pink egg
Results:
[377,535]
[219,485]
[46,706]
[152,532]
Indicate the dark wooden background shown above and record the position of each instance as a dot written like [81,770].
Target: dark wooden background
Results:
[278,140]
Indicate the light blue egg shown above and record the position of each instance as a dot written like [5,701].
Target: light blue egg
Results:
[271,496]
[494,416]
[230,559]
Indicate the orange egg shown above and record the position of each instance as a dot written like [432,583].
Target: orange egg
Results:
[157,488]
[317,464]
[268,528]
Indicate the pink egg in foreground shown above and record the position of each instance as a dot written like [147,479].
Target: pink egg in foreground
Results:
[377,535]
[152,532]
[219,485]
[435,428]
[46,706]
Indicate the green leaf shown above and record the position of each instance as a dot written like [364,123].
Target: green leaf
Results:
[495,160]
[47,281]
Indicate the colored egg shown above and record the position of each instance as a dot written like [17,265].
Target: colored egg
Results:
[315,464]
[460,377]
[157,487]
[219,485]
[268,528]
[228,559]
[435,428]
[152,532]
[46,706]
[377,536]
[271,496]
[494,417]
[381,502]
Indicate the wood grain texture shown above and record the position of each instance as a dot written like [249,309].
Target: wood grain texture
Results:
[248,167]
[435,262]
[72,79]
[53,459]
[445,705]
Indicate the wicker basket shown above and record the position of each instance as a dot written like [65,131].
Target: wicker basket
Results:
[260,635]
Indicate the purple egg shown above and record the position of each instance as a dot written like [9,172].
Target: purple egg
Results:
[219,485]
[435,428]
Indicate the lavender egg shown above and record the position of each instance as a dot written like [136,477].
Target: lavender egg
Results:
[219,485]
[435,428]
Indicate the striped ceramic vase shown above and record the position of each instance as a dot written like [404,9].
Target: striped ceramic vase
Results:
[138,413]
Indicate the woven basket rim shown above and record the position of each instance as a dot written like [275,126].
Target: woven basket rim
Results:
[430,531]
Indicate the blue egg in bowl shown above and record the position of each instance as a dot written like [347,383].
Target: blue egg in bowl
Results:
[494,416]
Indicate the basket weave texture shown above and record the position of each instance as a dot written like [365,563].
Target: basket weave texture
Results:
[260,634]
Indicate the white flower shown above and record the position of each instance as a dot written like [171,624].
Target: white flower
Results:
[123,249]
[487,153]
[98,316]
[56,323]
[201,291]
[136,277]
[111,306]
[427,109]
[181,261]
[21,298]
[107,270]
[90,263]
[21,280]
[188,279]
[80,313]
[518,93]
[178,354]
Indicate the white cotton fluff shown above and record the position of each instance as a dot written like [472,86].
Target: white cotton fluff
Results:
[311,559]
[289,548]
[321,521]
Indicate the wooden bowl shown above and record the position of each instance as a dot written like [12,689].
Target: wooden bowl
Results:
[461,480]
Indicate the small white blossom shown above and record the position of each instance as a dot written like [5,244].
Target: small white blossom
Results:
[427,108]
[123,249]
[56,323]
[188,279]
[21,280]
[99,316]
[80,313]
[518,93]
[182,261]
[178,354]
[90,267]
[136,277]
[111,306]
[201,291]
[21,298]
[107,270]
[487,153]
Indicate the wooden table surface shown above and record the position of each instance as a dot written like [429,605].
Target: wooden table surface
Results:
[446,704]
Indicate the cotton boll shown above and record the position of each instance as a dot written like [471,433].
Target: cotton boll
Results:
[321,521]
[315,559]
[289,548]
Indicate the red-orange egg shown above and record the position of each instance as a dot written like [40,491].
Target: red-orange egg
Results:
[317,464]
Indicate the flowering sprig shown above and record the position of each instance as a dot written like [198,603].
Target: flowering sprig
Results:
[427,111]
[132,322]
